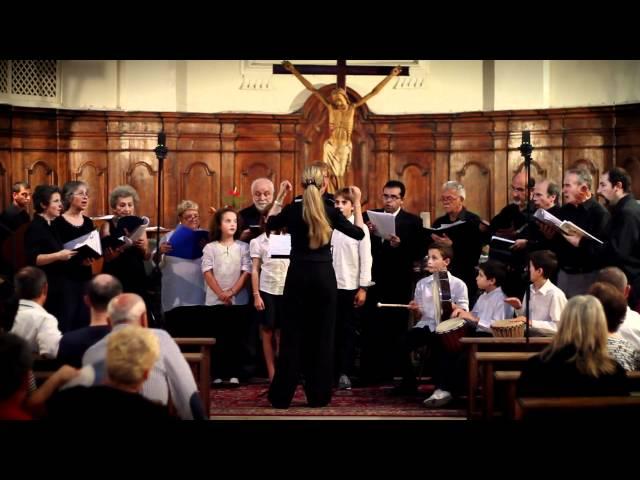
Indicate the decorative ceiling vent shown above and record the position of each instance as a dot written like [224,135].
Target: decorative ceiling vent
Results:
[35,78]
[4,76]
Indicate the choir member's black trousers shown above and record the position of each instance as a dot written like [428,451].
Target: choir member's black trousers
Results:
[345,332]
[307,334]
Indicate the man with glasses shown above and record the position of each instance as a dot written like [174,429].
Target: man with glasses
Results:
[392,273]
[511,223]
[465,239]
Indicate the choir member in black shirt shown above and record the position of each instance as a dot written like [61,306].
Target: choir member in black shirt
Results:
[71,225]
[307,330]
[44,249]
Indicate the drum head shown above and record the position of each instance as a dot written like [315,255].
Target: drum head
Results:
[507,323]
[449,325]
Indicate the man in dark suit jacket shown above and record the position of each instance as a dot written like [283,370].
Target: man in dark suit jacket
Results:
[393,275]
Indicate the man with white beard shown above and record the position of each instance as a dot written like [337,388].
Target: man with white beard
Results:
[262,190]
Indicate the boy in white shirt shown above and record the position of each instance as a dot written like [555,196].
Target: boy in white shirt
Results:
[352,263]
[423,307]
[491,305]
[547,300]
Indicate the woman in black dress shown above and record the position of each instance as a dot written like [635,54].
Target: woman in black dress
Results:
[44,249]
[307,334]
[71,225]
[126,264]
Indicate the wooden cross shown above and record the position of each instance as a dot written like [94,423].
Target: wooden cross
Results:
[341,70]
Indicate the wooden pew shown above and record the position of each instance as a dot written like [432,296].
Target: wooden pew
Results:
[200,363]
[486,361]
[475,344]
[510,379]
[623,407]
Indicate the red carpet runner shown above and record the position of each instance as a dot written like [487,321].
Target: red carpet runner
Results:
[250,400]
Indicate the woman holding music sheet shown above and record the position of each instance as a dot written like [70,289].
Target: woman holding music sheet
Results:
[307,333]
[125,262]
[44,249]
[183,291]
[71,225]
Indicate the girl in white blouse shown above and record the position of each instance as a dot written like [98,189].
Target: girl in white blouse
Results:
[267,279]
[226,267]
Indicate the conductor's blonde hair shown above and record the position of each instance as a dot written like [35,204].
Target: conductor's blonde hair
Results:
[313,211]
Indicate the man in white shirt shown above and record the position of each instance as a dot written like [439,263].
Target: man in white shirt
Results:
[425,306]
[33,323]
[630,328]
[547,300]
[352,263]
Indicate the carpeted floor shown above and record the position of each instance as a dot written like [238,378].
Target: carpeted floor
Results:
[250,400]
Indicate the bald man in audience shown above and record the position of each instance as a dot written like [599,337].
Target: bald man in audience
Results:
[630,328]
[100,290]
[170,375]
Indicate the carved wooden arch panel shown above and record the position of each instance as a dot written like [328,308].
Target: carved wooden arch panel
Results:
[476,179]
[632,166]
[591,167]
[40,173]
[96,178]
[142,177]
[251,171]
[538,172]
[418,182]
[5,187]
[199,184]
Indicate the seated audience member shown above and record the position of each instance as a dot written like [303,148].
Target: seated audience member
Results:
[15,366]
[8,304]
[547,300]
[100,290]
[131,353]
[615,306]
[491,305]
[426,298]
[577,362]
[630,328]
[170,375]
[33,323]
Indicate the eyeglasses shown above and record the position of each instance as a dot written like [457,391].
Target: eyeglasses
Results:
[195,216]
[448,199]
[390,197]
[81,194]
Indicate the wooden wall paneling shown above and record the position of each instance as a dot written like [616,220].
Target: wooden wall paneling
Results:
[476,175]
[500,165]
[632,165]
[414,169]
[199,182]
[39,168]
[229,176]
[381,171]
[251,166]
[5,180]
[94,173]
[287,163]
[142,175]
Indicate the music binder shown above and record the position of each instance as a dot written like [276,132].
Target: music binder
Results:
[565,226]
[87,246]
[186,243]
[444,228]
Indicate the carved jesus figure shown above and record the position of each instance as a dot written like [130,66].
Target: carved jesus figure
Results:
[337,148]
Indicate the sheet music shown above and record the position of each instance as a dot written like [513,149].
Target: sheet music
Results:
[91,240]
[279,245]
[385,223]
[566,227]
[446,226]
[501,239]
[135,236]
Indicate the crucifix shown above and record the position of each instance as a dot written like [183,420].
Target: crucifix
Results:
[337,148]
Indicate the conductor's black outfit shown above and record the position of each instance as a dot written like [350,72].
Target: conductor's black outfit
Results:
[307,333]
